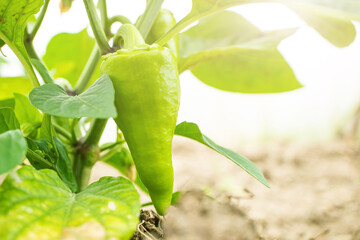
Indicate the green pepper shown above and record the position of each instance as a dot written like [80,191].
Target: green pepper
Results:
[147,97]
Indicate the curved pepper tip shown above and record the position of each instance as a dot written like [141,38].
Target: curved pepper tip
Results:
[161,204]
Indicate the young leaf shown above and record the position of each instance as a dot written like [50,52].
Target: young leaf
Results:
[97,101]
[56,154]
[14,14]
[25,112]
[8,120]
[227,52]
[38,205]
[70,63]
[65,5]
[14,84]
[64,166]
[47,131]
[192,131]
[12,150]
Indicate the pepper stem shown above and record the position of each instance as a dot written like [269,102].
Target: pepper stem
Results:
[129,36]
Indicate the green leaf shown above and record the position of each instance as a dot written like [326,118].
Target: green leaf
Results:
[217,31]
[246,71]
[2,43]
[47,131]
[192,131]
[8,120]
[8,103]
[12,150]
[338,32]
[70,63]
[344,9]
[56,154]
[64,166]
[38,205]
[25,112]
[10,85]
[14,14]
[45,149]
[324,16]
[96,102]
[227,52]
[122,161]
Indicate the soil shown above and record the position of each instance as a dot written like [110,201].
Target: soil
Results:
[314,195]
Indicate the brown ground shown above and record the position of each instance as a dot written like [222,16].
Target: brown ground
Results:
[314,195]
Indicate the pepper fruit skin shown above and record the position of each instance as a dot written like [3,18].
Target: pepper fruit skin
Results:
[147,98]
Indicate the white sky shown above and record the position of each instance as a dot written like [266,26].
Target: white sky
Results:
[331,77]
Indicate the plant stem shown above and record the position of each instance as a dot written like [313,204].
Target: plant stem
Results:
[95,24]
[95,132]
[119,18]
[147,19]
[83,163]
[104,148]
[87,153]
[62,131]
[104,16]
[88,71]
[39,20]
[25,61]
[178,27]
[191,18]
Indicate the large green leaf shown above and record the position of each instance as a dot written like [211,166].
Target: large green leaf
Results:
[192,131]
[8,120]
[25,112]
[247,71]
[10,85]
[97,101]
[217,31]
[338,31]
[12,151]
[70,63]
[14,14]
[227,52]
[38,205]
[346,9]
[331,18]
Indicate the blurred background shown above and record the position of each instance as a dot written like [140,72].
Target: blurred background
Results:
[330,76]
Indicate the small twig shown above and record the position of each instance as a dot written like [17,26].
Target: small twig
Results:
[39,20]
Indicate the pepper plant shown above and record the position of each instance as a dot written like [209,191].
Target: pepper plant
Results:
[47,152]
